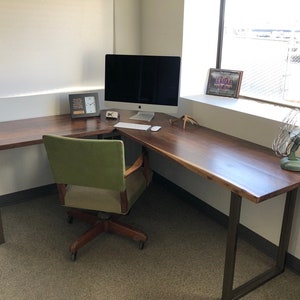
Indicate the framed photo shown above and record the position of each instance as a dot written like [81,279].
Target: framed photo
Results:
[226,83]
[84,105]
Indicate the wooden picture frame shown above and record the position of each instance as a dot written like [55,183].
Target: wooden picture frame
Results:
[84,105]
[226,83]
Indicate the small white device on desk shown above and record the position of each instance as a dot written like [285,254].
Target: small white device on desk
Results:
[112,114]
[155,128]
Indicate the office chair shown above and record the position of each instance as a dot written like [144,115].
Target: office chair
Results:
[91,176]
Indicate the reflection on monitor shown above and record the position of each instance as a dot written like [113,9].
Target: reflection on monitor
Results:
[142,83]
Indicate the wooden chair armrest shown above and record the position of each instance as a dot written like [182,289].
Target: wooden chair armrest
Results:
[136,165]
[142,161]
[61,192]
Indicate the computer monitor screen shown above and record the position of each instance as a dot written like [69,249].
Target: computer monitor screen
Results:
[142,82]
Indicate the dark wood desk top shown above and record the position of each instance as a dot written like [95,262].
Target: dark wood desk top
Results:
[19,133]
[249,170]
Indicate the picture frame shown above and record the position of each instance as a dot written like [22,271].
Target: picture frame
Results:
[84,105]
[222,82]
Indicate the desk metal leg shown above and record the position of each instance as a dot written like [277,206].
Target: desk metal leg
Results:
[232,235]
[235,208]
[287,222]
[1,231]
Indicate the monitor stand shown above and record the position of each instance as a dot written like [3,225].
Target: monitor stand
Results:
[143,116]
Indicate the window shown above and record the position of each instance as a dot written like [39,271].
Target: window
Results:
[262,38]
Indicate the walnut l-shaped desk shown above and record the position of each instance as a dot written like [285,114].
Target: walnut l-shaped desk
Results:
[248,170]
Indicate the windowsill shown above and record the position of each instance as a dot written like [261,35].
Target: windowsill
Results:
[251,107]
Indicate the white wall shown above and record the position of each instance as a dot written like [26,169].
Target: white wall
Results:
[127,26]
[161,24]
[27,167]
[53,45]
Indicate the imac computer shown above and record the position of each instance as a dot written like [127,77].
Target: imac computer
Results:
[143,83]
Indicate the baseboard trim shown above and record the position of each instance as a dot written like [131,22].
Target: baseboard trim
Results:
[21,196]
[245,233]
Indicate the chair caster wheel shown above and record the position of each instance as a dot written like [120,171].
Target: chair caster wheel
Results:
[73,256]
[141,245]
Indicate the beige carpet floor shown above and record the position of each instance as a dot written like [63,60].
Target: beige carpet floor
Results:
[183,258]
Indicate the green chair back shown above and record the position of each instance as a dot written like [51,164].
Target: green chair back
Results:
[86,162]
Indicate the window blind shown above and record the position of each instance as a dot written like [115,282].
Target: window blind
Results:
[53,45]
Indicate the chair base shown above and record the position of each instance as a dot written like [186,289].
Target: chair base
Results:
[100,226]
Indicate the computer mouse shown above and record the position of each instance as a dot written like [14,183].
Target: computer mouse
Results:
[155,128]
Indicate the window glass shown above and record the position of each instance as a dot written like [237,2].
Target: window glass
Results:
[262,38]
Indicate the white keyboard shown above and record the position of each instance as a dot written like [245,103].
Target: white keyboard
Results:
[132,126]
